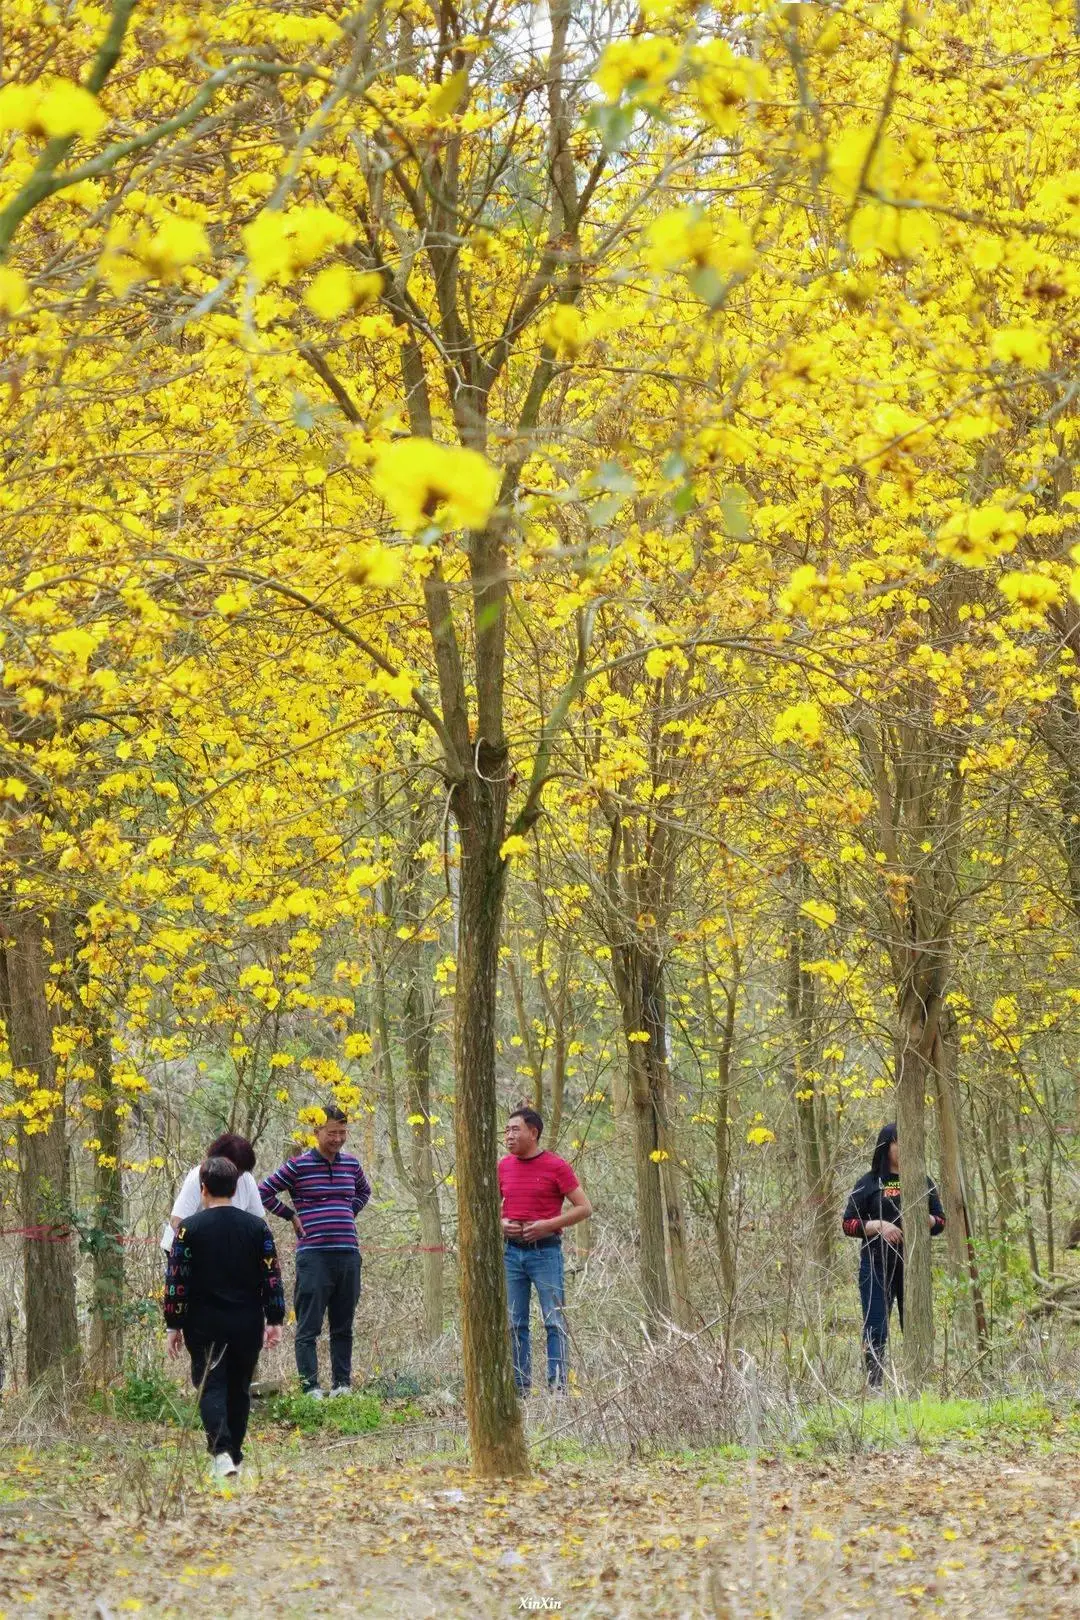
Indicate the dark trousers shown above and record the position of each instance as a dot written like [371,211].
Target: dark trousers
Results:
[223,1372]
[327,1281]
[881,1281]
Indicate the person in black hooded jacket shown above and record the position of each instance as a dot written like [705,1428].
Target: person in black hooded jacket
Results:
[873,1214]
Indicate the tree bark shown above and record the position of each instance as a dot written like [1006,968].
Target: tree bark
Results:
[917,782]
[494,1415]
[813,1158]
[958,1237]
[721,1038]
[416,1017]
[52,1336]
[107,1310]
[646,1097]
[676,1237]
[911,1082]
[1001,1167]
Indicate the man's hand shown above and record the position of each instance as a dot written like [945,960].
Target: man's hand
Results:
[298,1227]
[533,1231]
[272,1336]
[174,1339]
[512,1229]
[891,1233]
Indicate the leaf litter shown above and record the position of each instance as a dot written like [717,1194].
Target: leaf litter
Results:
[327,1531]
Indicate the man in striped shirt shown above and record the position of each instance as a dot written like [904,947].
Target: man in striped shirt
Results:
[328,1190]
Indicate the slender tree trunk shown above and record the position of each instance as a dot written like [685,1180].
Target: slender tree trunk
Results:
[958,1238]
[1048,1210]
[670,1174]
[650,1205]
[494,1414]
[911,1083]
[107,1311]
[418,1174]
[528,1036]
[647,1103]
[52,1337]
[557,1011]
[676,1236]
[383,1062]
[721,1039]
[558,1079]
[417,1022]
[1025,1202]
[1001,1168]
[813,1158]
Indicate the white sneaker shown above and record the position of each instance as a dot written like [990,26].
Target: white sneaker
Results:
[222,1465]
[315,1394]
[341,1389]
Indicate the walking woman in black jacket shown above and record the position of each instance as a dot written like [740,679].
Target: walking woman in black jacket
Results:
[224,1300]
[873,1214]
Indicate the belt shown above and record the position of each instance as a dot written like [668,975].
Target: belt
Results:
[554,1241]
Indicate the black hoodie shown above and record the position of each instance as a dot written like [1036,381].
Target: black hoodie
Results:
[876,1197]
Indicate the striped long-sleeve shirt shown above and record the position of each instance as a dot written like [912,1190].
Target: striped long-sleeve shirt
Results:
[327,1194]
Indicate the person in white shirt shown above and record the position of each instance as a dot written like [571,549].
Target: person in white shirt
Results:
[188,1200]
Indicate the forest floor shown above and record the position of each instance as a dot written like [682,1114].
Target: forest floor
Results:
[121,1521]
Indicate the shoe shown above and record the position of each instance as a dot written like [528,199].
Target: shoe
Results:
[222,1466]
[315,1394]
[341,1389]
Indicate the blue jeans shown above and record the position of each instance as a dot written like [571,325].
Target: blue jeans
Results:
[539,1266]
[881,1281]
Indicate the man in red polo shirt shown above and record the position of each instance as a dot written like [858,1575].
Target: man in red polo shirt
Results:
[535,1185]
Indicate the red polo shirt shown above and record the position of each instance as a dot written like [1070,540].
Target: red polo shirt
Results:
[534,1189]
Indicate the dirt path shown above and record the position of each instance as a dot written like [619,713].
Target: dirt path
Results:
[954,1533]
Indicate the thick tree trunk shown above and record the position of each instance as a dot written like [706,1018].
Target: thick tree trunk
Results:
[52,1337]
[107,1310]
[911,1083]
[495,1428]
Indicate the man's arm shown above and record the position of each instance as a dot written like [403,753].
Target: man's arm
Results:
[937,1213]
[278,1181]
[362,1192]
[580,1210]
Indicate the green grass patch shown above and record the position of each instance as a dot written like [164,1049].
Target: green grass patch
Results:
[358,1413]
[928,1421]
[151,1396]
[146,1397]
